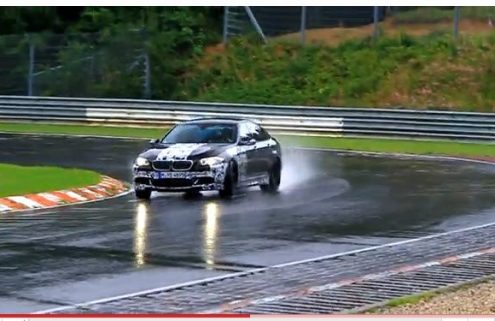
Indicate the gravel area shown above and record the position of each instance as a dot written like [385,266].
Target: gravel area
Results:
[476,299]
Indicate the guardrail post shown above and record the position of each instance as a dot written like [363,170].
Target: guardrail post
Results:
[30,76]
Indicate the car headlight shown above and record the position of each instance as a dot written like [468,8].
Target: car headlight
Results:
[142,162]
[211,161]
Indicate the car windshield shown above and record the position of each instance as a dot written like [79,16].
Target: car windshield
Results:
[202,133]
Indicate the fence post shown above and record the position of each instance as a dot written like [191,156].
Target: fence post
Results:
[375,23]
[303,24]
[30,76]
[456,22]
[225,24]
[147,76]
[255,23]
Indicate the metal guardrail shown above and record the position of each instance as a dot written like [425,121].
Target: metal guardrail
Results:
[298,119]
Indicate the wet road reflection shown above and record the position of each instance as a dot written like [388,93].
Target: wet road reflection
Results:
[140,233]
[211,214]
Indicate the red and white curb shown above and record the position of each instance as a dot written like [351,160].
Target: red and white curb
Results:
[108,187]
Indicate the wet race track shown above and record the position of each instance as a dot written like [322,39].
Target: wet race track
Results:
[329,203]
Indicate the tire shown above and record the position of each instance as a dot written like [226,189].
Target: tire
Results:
[143,194]
[274,179]
[230,181]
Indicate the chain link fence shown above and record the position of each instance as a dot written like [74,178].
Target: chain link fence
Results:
[332,25]
[424,21]
[91,65]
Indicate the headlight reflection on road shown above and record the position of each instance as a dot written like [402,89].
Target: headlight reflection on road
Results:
[140,233]
[210,233]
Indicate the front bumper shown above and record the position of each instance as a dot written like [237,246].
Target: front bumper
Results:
[177,181]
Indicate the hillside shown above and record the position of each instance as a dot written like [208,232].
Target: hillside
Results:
[427,71]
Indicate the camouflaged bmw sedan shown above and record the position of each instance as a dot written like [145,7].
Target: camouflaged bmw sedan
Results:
[222,154]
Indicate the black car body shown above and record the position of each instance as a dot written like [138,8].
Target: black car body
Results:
[209,154]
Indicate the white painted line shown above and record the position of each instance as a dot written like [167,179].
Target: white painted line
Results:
[231,275]
[4,208]
[25,201]
[428,237]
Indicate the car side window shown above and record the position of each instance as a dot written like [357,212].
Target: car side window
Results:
[254,131]
[259,133]
[262,134]
[244,130]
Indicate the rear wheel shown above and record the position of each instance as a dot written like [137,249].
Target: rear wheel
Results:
[143,194]
[274,179]
[230,181]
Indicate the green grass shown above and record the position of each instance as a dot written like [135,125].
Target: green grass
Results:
[424,296]
[412,299]
[422,147]
[361,144]
[20,180]
[408,299]
[81,130]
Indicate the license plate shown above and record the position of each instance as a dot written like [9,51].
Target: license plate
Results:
[164,175]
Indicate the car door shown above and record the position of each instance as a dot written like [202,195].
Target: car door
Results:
[263,151]
[246,153]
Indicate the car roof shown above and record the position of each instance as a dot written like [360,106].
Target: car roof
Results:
[223,120]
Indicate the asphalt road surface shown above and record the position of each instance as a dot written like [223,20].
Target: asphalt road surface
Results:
[329,203]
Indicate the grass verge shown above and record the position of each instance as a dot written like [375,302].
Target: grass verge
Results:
[442,301]
[20,180]
[43,128]
[406,146]
[421,147]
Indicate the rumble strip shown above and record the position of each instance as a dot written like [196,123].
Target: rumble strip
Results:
[108,187]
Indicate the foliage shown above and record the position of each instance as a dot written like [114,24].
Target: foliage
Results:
[111,60]
[404,71]
[439,14]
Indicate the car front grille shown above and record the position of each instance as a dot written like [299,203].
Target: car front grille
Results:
[182,165]
[162,165]
[175,165]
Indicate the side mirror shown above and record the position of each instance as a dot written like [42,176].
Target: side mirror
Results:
[247,141]
[154,141]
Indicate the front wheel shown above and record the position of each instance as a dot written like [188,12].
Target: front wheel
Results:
[143,194]
[274,180]
[230,181]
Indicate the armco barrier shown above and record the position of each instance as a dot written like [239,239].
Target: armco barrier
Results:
[297,119]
